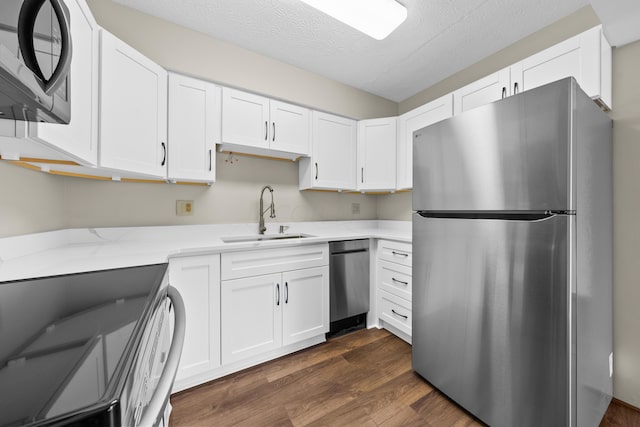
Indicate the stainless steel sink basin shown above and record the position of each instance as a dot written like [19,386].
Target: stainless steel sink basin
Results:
[263,237]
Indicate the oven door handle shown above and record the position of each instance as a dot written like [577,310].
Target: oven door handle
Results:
[26,29]
[161,395]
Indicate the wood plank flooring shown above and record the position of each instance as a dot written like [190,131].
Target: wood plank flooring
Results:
[361,379]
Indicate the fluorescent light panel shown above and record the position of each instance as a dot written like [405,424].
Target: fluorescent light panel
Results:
[375,18]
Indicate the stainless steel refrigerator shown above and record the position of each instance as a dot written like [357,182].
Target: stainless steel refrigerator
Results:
[512,258]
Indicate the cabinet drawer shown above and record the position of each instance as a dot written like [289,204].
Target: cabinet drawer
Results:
[235,265]
[397,252]
[395,311]
[395,279]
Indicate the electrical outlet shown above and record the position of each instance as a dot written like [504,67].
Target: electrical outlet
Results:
[184,207]
[355,208]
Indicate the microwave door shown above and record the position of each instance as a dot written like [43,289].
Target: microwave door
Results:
[35,58]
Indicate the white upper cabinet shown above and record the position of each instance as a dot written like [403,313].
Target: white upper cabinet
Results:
[586,57]
[194,128]
[377,154]
[258,125]
[78,139]
[245,119]
[332,165]
[409,122]
[290,128]
[133,110]
[484,91]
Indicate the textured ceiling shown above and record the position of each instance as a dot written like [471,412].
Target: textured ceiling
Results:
[439,37]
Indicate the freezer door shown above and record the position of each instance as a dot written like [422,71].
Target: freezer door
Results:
[491,322]
[510,155]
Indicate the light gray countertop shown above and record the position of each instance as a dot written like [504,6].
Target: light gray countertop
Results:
[77,250]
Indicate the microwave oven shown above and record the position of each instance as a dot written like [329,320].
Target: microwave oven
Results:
[35,58]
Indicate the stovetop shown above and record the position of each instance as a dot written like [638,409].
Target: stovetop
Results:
[66,341]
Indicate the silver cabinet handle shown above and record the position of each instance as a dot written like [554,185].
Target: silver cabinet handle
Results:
[316,170]
[399,254]
[504,92]
[165,384]
[362,175]
[393,279]
[210,159]
[277,293]
[274,132]
[266,131]
[515,88]
[286,292]
[164,154]
[398,314]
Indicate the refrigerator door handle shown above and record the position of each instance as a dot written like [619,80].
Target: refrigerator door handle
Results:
[501,216]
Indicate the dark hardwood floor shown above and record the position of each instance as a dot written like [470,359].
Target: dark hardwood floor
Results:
[360,379]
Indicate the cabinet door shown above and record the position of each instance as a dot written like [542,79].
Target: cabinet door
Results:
[484,91]
[428,114]
[377,154]
[133,110]
[245,118]
[584,57]
[194,128]
[251,314]
[198,281]
[290,128]
[305,304]
[333,163]
[80,137]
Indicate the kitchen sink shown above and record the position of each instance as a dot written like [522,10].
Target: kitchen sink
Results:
[264,237]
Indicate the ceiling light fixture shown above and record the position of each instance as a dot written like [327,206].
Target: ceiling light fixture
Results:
[375,18]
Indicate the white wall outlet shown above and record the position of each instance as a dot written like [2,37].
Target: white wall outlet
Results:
[355,208]
[184,207]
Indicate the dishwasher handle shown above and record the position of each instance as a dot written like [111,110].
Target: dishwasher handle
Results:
[349,251]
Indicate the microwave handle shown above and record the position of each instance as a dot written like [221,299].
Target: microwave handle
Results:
[26,28]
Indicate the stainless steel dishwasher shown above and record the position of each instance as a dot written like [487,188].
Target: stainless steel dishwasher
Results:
[349,285]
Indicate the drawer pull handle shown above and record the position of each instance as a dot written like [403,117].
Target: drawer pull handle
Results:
[394,280]
[286,292]
[398,314]
[399,254]
[277,293]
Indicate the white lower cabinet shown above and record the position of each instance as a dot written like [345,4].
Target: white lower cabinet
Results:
[305,312]
[197,279]
[264,313]
[394,287]
[251,316]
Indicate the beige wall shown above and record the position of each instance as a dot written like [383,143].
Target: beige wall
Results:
[233,198]
[626,229]
[30,202]
[569,26]
[190,52]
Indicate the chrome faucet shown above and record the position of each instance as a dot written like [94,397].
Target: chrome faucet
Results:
[272,208]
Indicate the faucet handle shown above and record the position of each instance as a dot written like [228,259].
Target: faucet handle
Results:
[283,228]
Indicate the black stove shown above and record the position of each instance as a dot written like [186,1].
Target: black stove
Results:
[69,345]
